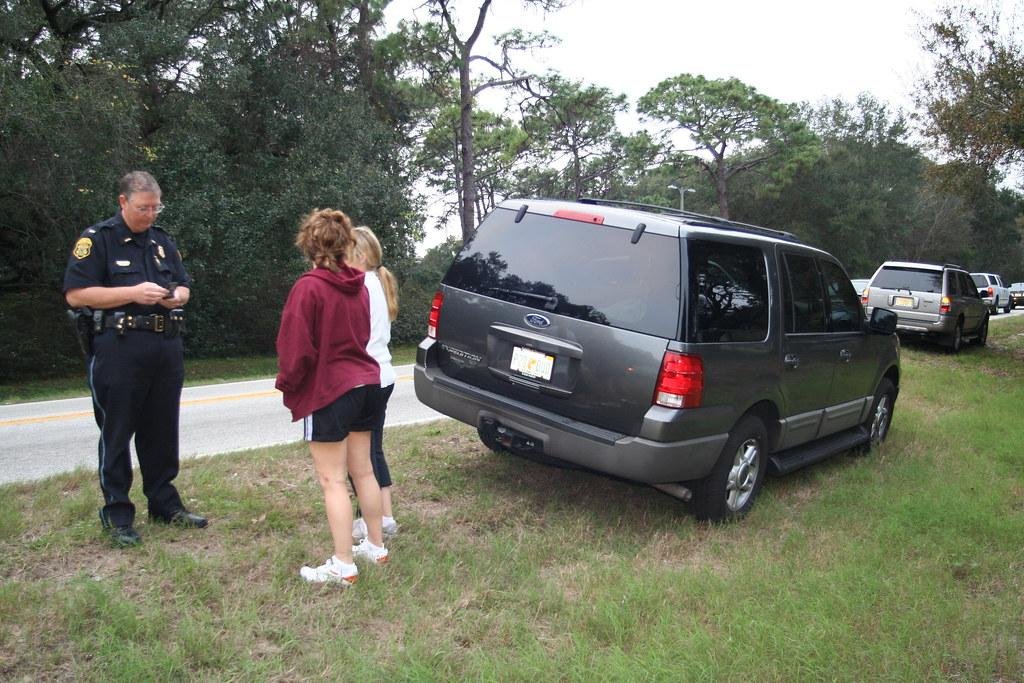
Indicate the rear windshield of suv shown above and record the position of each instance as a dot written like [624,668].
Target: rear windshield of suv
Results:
[980,281]
[586,271]
[914,279]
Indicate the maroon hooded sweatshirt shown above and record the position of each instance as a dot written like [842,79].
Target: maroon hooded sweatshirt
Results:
[321,345]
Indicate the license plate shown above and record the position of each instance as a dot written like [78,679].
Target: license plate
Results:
[532,363]
[902,301]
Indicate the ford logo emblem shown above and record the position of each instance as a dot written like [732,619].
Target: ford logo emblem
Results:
[537,320]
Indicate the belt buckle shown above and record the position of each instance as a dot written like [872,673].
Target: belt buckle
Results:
[158,323]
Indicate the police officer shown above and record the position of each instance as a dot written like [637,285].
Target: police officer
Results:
[130,272]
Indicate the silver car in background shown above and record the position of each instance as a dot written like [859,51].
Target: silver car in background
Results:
[940,302]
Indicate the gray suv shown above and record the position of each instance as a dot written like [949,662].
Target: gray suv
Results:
[938,302]
[666,347]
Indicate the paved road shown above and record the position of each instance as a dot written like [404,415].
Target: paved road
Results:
[1003,316]
[47,437]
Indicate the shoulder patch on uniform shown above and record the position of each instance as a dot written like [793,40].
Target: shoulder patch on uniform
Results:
[83,247]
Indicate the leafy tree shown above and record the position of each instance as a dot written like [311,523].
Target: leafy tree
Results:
[499,144]
[443,52]
[738,128]
[420,278]
[249,114]
[871,196]
[574,125]
[973,101]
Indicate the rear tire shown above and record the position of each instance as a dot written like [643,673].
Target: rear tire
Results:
[956,339]
[730,490]
[982,338]
[1008,307]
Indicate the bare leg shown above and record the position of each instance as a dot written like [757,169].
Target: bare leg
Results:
[367,489]
[329,459]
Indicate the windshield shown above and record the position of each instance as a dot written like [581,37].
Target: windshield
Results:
[914,279]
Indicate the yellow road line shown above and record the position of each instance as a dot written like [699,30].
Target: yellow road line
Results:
[191,402]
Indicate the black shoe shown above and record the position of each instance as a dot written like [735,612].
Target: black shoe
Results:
[123,536]
[181,517]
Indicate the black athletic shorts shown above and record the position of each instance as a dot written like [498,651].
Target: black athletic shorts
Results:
[359,410]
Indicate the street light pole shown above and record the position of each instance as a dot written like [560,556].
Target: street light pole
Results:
[682,194]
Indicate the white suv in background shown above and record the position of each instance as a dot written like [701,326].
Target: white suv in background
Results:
[993,292]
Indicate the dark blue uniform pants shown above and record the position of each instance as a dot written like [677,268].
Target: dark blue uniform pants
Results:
[136,384]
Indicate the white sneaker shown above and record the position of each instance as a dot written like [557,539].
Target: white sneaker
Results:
[331,571]
[359,532]
[368,551]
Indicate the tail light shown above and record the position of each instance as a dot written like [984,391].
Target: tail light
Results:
[680,381]
[864,296]
[435,314]
[944,305]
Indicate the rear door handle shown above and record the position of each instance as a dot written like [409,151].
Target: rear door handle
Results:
[792,360]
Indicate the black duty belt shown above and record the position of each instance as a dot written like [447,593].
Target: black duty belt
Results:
[168,324]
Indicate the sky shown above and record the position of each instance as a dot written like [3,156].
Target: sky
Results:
[792,50]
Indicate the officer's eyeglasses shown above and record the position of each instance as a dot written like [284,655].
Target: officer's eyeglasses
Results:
[150,209]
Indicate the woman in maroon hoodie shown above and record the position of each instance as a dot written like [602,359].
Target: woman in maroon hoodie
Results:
[333,384]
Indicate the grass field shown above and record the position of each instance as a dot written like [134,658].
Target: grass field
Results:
[905,565]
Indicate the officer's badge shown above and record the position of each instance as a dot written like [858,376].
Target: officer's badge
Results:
[83,248]
[160,250]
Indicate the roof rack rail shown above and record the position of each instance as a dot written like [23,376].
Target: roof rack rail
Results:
[699,218]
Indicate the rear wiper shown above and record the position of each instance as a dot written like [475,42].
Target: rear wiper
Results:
[550,302]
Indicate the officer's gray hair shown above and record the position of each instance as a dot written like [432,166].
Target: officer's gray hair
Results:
[138,181]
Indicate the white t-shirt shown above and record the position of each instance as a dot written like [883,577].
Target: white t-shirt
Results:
[380,328]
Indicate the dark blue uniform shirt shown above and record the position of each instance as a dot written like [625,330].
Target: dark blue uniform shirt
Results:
[108,254]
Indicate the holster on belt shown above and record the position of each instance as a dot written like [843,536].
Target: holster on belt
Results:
[82,320]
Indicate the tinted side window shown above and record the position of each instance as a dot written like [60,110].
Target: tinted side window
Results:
[805,304]
[728,292]
[844,313]
[967,287]
[954,285]
[576,269]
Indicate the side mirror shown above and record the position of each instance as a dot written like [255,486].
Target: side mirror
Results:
[883,321]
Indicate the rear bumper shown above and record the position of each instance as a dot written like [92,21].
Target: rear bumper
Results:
[940,325]
[621,455]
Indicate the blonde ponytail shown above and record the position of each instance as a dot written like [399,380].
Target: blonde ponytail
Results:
[390,286]
[367,249]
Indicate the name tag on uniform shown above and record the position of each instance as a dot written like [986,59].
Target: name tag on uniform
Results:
[123,263]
